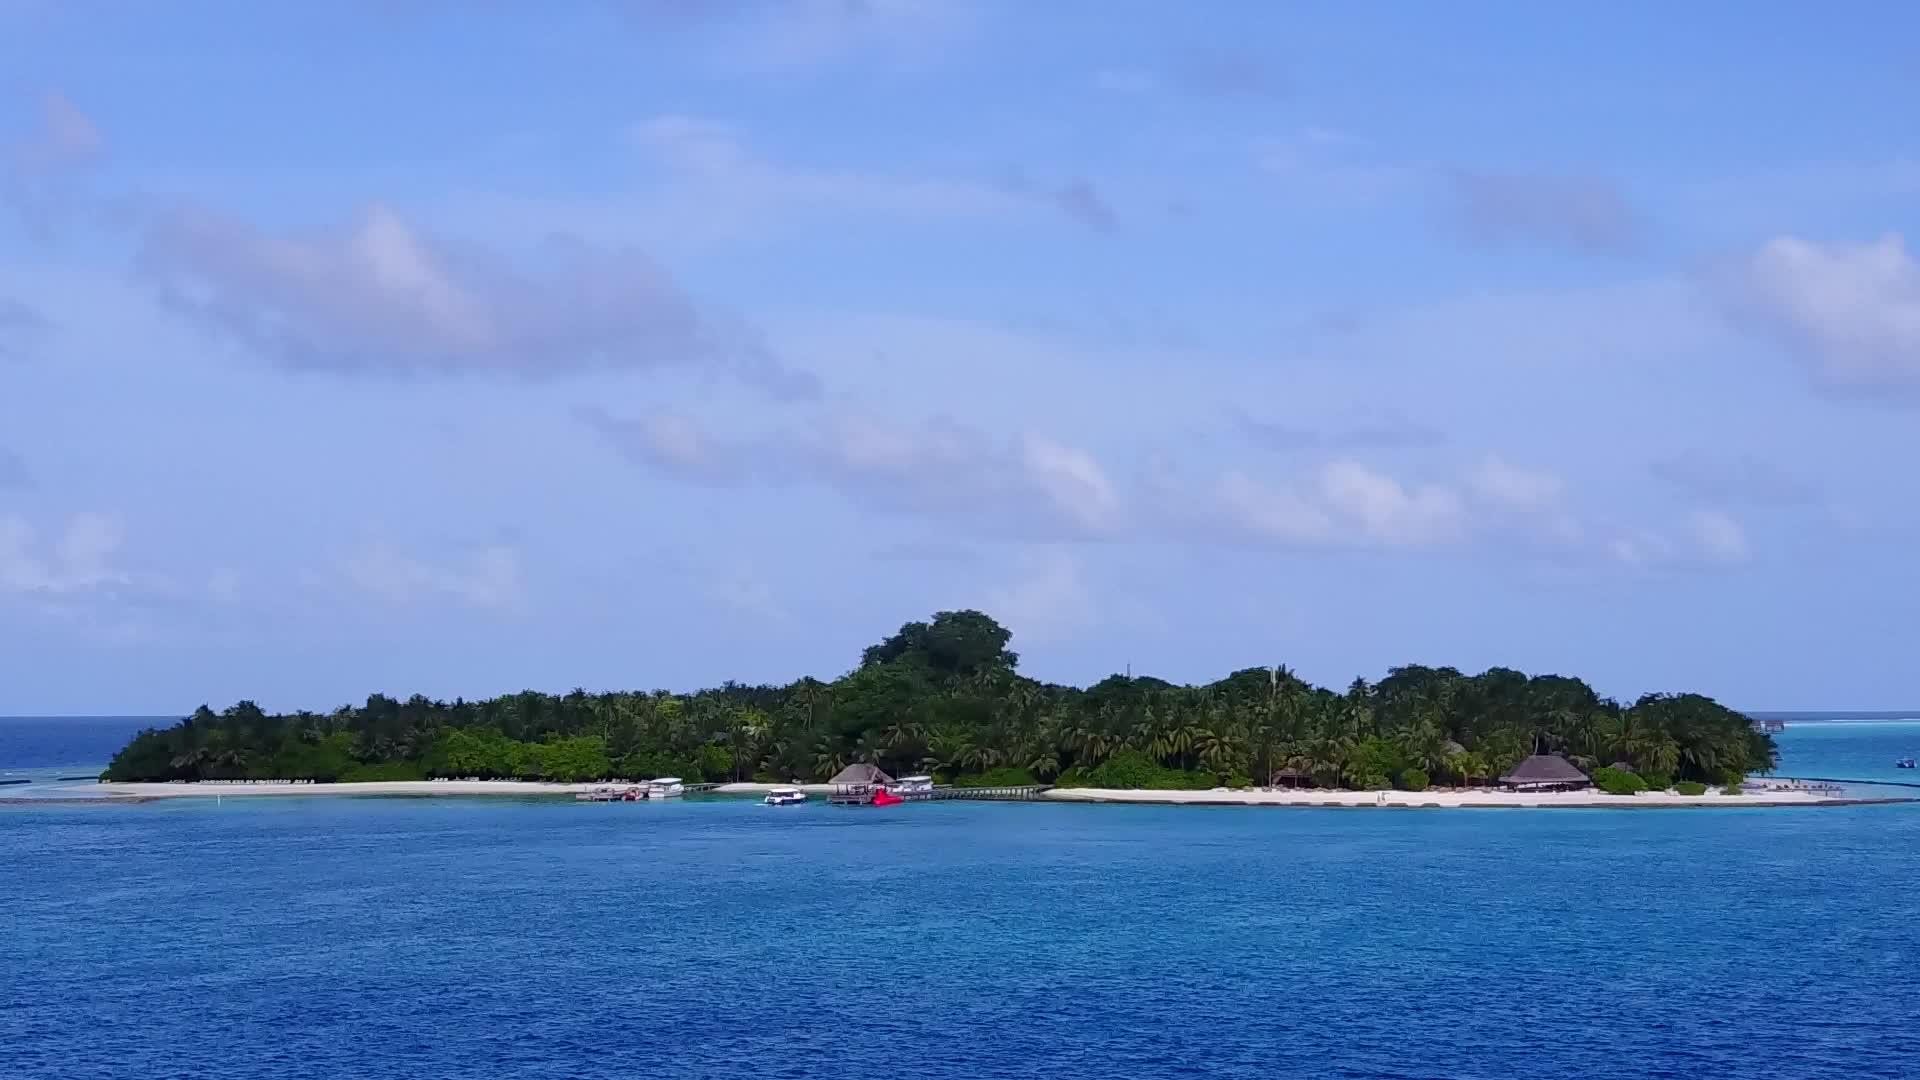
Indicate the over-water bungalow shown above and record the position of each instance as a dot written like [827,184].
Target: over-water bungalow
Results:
[856,784]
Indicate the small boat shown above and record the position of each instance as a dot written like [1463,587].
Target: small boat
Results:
[665,787]
[1903,763]
[611,794]
[785,796]
[883,797]
[912,787]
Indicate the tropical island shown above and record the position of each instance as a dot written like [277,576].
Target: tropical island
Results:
[945,697]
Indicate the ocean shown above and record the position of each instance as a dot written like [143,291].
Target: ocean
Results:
[408,939]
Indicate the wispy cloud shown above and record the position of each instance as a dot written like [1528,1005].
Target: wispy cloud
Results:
[1340,504]
[487,578]
[1502,483]
[723,171]
[1030,485]
[1706,537]
[81,559]
[1720,537]
[379,295]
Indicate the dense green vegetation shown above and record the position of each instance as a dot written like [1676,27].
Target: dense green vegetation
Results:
[946,697]
[1618,781]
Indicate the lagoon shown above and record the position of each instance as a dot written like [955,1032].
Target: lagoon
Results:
[413,938]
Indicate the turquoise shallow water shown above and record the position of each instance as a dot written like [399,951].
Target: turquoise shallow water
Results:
[416,938]
[1864,750]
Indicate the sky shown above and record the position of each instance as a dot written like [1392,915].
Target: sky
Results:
[467,348]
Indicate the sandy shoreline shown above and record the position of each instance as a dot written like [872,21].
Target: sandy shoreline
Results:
[1446,799]
[381,787]
[1309,797]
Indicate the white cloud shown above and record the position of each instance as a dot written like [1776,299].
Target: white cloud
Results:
[485,579]
[1071,479]
[1343,504]
[1274,514]
[1705,536]
[80,560]
[1501,483]
[1720,537]
[379,295]
[1027,485]
[1851,310]
[1388,512]
[1640,548]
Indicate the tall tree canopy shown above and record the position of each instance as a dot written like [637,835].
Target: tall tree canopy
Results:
[946,696]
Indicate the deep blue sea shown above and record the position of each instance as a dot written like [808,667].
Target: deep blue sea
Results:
[409,939]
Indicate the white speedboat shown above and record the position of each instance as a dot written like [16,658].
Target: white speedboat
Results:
[665,787]
[785,796]
[912,787]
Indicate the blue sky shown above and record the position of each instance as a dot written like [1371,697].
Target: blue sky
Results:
[468,348]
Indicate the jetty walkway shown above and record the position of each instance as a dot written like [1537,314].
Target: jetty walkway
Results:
[1838,780]
[992,794]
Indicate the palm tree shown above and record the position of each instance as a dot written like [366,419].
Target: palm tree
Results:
[829,757]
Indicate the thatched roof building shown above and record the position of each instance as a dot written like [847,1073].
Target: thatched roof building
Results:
[861,775]
[1545,772]
[1290,776]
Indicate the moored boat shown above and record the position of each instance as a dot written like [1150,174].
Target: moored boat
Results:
[912,787]
[785,796]
[611,794]
[665,787]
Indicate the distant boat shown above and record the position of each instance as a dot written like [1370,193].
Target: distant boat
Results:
[666,787]
[883,797]
[785,796]
[1903,763]
[912,787]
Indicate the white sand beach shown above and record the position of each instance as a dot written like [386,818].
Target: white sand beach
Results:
[205,789]
[1305,797]
[1440,799]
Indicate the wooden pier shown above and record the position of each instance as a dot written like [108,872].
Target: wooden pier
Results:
[862,794]
[992,794]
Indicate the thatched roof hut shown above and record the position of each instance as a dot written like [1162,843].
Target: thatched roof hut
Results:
[860,775]
[1545,772]
[1289,776]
